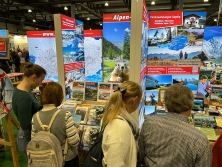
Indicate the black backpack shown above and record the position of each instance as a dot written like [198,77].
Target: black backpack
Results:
[95,155]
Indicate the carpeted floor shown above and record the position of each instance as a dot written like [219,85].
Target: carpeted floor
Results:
[5,156]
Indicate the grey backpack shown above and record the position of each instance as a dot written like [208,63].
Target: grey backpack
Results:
[44,149]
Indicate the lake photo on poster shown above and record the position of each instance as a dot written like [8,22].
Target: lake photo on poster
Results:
[191,86]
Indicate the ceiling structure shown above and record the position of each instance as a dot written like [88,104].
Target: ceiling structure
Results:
[90,11]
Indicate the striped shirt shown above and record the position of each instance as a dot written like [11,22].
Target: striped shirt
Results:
[62,127]
[172,142]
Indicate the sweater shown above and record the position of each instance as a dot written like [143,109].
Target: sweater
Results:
[217,153]
[119,144]
[62,127]
[25,105]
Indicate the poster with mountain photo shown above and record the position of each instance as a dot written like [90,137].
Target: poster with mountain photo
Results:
[211,54]
[179,45]
[116,47]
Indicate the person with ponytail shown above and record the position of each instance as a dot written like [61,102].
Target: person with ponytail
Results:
[25,104]
[120,128]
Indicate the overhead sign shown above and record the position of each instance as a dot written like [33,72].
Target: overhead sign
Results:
[145,12]
[67,23]
[3,46]
[93,33]
[120,17]
[40,34]
[165,19]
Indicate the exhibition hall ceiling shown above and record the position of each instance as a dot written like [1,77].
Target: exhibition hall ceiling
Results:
[90,11]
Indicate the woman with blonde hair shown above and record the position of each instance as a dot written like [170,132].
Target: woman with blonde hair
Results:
[120,128]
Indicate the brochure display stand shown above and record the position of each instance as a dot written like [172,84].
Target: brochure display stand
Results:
[11,143]
[6,88]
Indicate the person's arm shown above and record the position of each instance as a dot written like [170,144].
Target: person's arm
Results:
[71,131]
[204,158]
[141,157]
[24,107]
[117,145]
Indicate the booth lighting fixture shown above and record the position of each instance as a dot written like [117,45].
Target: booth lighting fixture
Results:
[65,8]
[205,0]
[88,18]
[29,10]
[33,20]
[106,4]
[90,29]
[153,3]
[101,24]
[215,19]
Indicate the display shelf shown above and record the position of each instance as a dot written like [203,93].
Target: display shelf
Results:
[82,153]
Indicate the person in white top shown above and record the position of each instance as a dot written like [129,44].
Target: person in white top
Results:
[119,136]
[22,61]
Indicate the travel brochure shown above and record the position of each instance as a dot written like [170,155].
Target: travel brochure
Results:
[87,120]
[93,91]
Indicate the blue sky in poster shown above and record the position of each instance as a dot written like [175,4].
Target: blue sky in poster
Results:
[114,32]
[154,92]
[149,110]
[3,33]
[79,22]
[153,31]
[212,31]
[163,79]
[201,14]
[188,77]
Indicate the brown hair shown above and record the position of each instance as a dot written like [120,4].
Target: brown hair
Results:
[119,98]
[178,98]
[31,69]
[204,77]
[52,94]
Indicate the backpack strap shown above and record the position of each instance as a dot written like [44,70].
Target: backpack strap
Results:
[45,127]
[65,151]
[131,126]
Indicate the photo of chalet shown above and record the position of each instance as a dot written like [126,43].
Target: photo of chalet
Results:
[194,20]
[191,20]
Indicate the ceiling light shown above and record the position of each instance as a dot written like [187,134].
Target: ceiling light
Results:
[29,10]
[205,0]
[153,3]
[90,29]
[65,8]
[88,18]
[33,20]
[106,4]
[215,19]
[101,24]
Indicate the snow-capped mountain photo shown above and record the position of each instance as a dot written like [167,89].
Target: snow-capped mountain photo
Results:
[213,47]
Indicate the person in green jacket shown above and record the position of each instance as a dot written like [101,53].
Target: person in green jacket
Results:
[25,104]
